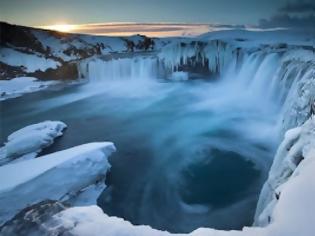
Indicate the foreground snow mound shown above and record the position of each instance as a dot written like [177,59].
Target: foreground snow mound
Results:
[27,142]
[21,85]
[298,146]
[57,176]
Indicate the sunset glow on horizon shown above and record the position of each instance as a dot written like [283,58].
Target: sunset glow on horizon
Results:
[131,28]
[60,27]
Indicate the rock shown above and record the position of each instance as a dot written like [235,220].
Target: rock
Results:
[30,221]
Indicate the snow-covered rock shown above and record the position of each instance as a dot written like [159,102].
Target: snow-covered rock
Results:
[27,142]
[300,73]
[297,147]
[57,176]
[29,62]
[21,85]
[29,220]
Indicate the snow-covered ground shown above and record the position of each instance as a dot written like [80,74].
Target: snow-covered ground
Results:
[29,62]
[57,176]
[27,142]
[21,85]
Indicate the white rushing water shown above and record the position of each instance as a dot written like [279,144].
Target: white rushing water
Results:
[133,68]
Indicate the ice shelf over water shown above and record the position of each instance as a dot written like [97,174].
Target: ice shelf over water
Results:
[57,176]
[27,142]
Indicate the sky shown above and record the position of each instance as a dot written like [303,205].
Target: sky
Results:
[87,12]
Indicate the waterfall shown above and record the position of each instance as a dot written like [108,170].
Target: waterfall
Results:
[283,76]
[285,79]
[134,68]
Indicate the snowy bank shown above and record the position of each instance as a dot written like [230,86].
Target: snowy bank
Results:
[21,85]
[290,215]
[57,176]
[297,149]
[27,142]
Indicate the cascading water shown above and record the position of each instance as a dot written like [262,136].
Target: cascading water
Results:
[134,68]
[190,154]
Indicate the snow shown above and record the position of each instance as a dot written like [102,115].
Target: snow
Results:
[89,195]
[298,144]
[27,142]
[21,85]
[301,93]
[292,214]
[29,62]
[57,176]
[59,44]
[286,205]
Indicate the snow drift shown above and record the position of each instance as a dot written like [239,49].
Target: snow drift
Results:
[297,146]
[57,176]
[27,142]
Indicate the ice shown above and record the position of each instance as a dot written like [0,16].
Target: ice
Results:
[298,86]
[21,85]
[57,176]
[217,53]
[27,142]
[298,145]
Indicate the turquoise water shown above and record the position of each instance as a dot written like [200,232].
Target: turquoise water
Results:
[190,154]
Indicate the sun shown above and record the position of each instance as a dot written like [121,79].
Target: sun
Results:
[61,27]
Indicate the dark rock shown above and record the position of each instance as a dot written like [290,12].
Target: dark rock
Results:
[29,222]
[19,36]
[9,72]
[67,71]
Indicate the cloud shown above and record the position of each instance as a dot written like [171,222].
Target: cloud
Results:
[287,21]
[155,29]
[297,15]
[298,7]
[148,29]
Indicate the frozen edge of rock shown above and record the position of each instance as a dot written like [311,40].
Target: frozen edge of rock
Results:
[27,142]
[298,145]
[57,176]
